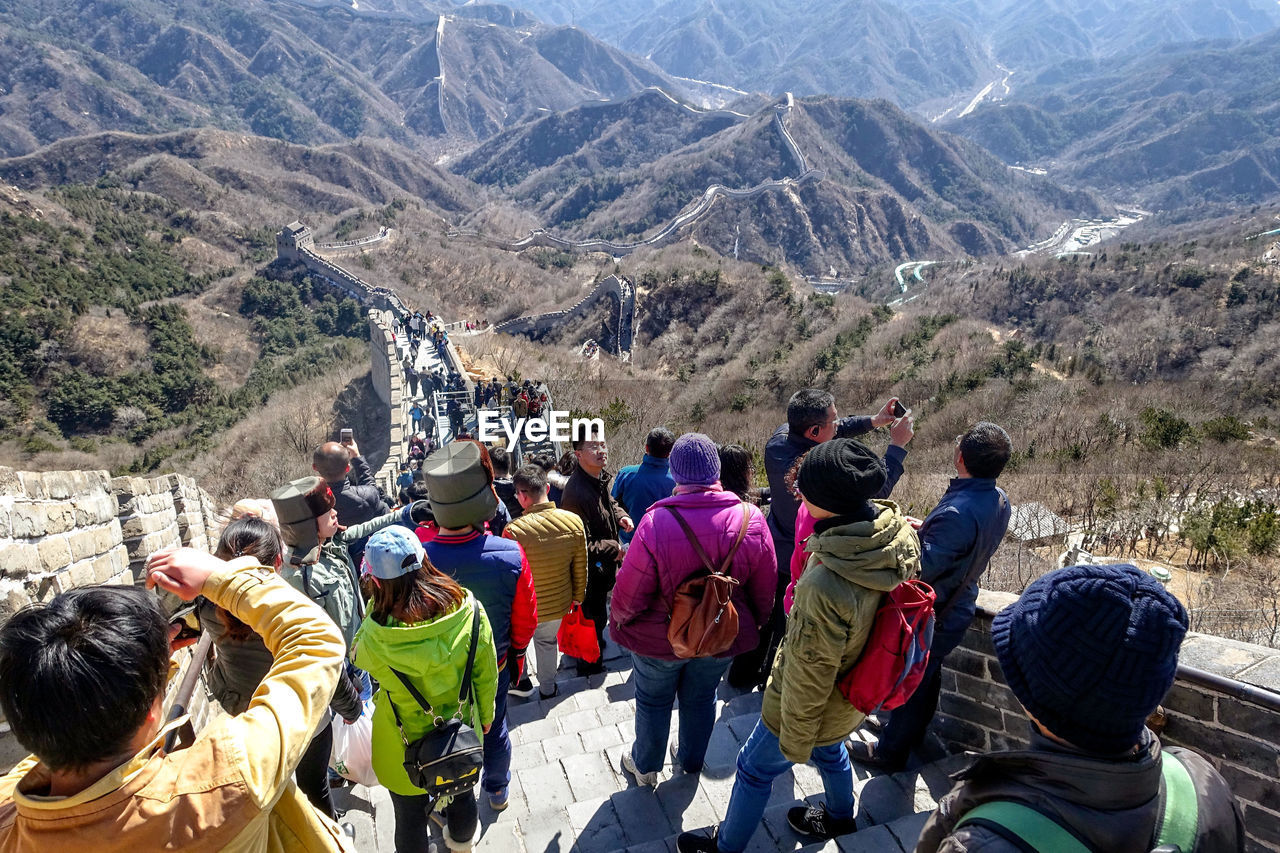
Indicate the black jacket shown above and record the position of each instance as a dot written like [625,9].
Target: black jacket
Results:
[357,500]
[588,497]
[1111,804]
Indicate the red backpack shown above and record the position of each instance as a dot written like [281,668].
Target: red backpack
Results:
[893,661]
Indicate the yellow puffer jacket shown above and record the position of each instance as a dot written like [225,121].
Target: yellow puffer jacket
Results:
[555,543]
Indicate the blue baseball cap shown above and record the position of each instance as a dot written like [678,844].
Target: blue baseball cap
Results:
[392,552]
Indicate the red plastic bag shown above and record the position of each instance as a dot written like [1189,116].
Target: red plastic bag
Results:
[577,636]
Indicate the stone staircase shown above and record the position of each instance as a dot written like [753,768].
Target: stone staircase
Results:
[568,790]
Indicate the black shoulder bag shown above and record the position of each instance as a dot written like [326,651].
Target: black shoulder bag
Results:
[446,760]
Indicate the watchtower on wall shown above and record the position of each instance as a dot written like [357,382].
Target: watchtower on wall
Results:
[293,240]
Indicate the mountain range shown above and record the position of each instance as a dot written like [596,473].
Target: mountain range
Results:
[1168,129]
[914,52]
[306,74]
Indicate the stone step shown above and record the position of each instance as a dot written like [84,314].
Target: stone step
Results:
[569,792]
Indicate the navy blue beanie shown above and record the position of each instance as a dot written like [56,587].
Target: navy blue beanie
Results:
[1090,651]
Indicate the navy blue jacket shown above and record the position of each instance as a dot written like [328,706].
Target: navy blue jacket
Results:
[961,533]
[638,487]
[780,453]
[496,572]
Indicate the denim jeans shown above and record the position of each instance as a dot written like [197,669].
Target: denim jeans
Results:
[909,722]
[658,683]
[497,743]
[759,763]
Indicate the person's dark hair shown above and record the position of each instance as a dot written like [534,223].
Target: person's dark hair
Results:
[545,461]
[530,479]
[659,442]
[247,537]
[807,409]
[331,460]
[501,460]
[567,463]
[79,674]
[415,597]
[985,449]
[417,490]
[735,470]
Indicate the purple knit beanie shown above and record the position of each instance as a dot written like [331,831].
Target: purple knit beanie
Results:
[694,460]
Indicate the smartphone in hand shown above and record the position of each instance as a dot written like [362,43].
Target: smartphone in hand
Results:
[898,409]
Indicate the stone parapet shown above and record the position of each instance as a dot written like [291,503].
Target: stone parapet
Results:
[1225,705]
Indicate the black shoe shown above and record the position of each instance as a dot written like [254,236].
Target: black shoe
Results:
[555,691]
[524,689]
[814,821]
[696,842]
[585,668]
[868,756]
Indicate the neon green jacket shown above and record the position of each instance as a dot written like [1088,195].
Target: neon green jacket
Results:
[433,656]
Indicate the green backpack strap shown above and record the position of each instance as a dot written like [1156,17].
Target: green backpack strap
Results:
[1036,831]
[1179,822]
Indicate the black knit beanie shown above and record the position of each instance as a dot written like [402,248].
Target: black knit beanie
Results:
[1091,651]
[841,475]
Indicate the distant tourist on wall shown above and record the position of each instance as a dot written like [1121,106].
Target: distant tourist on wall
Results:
[1089,652]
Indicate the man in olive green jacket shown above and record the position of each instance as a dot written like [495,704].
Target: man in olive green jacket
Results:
[555,543]
[860,549]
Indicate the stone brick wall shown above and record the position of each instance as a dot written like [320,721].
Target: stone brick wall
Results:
[58,529]
[1240,735]
[62,529]
[389,382]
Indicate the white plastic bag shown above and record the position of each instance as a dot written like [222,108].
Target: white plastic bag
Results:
[352,756]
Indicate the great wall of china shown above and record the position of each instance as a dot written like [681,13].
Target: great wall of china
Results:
[62,529]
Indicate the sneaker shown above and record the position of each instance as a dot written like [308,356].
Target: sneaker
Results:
[588,669]
[629,765]
[498,801]
[675,762]
[814,821]
[555,691]
[524,689]
[695,842]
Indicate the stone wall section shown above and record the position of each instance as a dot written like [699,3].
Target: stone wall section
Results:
[58,529]
[148,518]
[1241,737]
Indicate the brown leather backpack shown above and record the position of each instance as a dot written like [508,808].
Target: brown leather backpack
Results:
[703,621]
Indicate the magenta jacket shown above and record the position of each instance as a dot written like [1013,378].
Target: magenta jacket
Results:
[660,558]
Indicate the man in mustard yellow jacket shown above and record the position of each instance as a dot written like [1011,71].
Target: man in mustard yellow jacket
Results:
[555,543]
[82,683]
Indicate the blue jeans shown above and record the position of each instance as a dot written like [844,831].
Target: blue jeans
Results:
[759,763]
[497,743]
[658,683]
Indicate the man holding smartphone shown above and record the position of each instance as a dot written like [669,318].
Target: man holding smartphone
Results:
[811,420]
[352,483]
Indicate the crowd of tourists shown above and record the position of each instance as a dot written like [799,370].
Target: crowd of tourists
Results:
[328,601]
